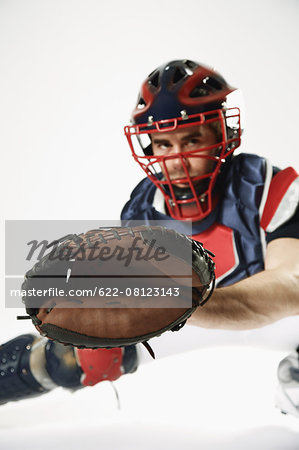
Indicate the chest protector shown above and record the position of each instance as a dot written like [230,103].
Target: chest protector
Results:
[232,231]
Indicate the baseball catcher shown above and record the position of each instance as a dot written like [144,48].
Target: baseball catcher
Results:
[184,133]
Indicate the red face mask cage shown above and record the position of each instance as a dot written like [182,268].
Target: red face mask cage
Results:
[186,197]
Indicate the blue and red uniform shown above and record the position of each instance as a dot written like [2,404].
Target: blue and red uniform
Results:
[258,203]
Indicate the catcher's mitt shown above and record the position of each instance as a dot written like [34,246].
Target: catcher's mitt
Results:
[113,287]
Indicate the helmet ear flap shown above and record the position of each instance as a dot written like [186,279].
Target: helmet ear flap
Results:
[230,133]
[233,136]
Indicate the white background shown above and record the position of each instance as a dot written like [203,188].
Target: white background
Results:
[69,77]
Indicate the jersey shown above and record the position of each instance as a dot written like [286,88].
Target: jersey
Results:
[258,203]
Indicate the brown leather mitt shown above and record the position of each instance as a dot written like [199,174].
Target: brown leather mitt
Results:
[113,287]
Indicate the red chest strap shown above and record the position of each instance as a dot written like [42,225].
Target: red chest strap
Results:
[219,239]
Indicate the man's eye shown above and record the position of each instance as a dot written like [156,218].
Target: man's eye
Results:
[163,146]
[193,142]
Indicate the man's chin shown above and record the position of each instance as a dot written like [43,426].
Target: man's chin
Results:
[183,190]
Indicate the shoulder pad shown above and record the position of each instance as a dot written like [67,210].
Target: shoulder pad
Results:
[282,200]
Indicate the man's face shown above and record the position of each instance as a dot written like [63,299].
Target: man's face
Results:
[174,143]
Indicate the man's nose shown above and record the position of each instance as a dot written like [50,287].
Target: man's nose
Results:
[180,161]
[177,148]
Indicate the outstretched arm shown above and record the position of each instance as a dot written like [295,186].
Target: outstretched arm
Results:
[260,300]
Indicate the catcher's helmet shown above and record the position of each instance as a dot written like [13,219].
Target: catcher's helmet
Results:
[178,95]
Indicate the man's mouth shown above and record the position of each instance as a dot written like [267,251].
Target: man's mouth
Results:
[185,184]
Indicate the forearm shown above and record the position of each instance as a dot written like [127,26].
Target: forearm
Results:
[251,303]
